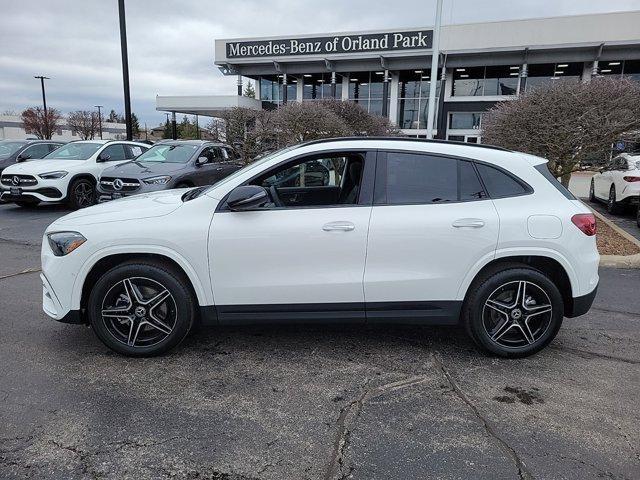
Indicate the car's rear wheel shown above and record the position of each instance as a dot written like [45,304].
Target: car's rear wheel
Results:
[141,308]
[613,207]
[82,194]
[592,192]
[513,312]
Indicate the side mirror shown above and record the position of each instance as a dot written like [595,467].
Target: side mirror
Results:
[201,161]
[22,157]
[103,158]
[247,197]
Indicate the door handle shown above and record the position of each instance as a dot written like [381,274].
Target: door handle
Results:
[338,226]
[468,223]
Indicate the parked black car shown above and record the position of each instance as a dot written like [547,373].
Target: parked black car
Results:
[166,165]
[12,151]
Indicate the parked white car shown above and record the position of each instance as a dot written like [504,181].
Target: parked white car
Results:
[618,183]
[68,174]
[388,230]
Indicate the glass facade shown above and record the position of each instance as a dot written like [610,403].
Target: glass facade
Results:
[485,81]
[413,98]
[271,88]
[465,120]
[544,73]
[627,68]
[318,86]
[365,89]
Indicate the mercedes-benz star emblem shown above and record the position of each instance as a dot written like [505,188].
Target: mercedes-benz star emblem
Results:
[15,180]
[118,184]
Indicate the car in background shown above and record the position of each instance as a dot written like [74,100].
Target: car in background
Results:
[400,231]
[68,174]
[15,151]
[617,183]
[171,164]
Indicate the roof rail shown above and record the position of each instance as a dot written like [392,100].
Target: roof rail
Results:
[408,139]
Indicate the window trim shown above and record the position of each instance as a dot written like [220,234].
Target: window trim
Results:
[365,198]
[380,191]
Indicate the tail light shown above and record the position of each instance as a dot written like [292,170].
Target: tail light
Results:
[585,222]
[631,179]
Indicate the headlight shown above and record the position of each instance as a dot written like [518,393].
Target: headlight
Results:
[63,243]
[52,175]
[161,180]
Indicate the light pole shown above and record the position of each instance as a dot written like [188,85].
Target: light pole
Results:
[435,54]
[44,103]
[99,119]
[125,69]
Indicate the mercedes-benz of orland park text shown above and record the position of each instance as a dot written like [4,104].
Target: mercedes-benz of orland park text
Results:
[348,230]
[389,72]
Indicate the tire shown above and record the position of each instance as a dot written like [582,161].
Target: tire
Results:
[81,194]
[638,216]
[142,329]
[592,192]
[613,207]
[506,330]
[28,204]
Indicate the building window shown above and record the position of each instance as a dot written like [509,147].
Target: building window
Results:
[485,81]
[366,89]
[271,88]
[318,86]
[413,98]
[627,68]
[545,73]
[465,121]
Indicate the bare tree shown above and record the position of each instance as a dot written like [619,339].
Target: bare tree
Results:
[39,124]
[85,123]
[566,122]
[254,133]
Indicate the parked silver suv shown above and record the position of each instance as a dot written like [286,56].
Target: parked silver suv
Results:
[170,164]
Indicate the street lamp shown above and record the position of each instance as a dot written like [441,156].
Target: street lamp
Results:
[44,103]
[99,118]
[125,69]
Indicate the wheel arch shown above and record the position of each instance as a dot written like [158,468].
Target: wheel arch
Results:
[104,261]
[79,176]
[555,268]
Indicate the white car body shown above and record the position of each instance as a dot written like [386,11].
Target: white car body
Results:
[622,174]
[32,184]
[417,254]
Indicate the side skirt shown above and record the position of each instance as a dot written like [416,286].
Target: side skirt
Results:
[408,313]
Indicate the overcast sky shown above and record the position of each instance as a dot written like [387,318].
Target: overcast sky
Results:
[171,43]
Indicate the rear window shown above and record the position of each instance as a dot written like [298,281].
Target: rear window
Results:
[500,184]
[543,168]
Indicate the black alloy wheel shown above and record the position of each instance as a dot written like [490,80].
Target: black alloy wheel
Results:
[82,194]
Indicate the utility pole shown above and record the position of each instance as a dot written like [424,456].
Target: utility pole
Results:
[435,54]
[44,103]
[125,69]
[99,119]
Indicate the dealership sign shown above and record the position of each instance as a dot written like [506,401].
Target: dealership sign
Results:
[373,42]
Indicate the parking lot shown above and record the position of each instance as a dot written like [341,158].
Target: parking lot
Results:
[320,402]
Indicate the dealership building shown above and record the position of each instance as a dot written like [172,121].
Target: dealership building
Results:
[389,72]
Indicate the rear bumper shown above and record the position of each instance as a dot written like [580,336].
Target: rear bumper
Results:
[580,305]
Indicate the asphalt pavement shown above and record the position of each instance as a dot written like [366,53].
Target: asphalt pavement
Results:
[312,402]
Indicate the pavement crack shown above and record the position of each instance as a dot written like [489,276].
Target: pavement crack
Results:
[612,310]
[23,272]
[588,354]
[523,473]
[347,419]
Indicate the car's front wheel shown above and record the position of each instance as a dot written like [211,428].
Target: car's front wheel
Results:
[513,312]
[141,308]
[82,193]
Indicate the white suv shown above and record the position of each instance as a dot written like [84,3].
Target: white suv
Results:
[347,230]
[68,174]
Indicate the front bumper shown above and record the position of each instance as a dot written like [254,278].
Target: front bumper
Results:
[41,193]
[580,305]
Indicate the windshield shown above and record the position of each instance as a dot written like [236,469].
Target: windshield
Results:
[168,154]
[251,166]
[74,151]
[9,148]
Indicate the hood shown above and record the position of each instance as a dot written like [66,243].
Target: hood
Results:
[35,167]
[135,169]
[156,204]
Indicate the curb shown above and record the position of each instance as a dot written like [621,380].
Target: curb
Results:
[618,261]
